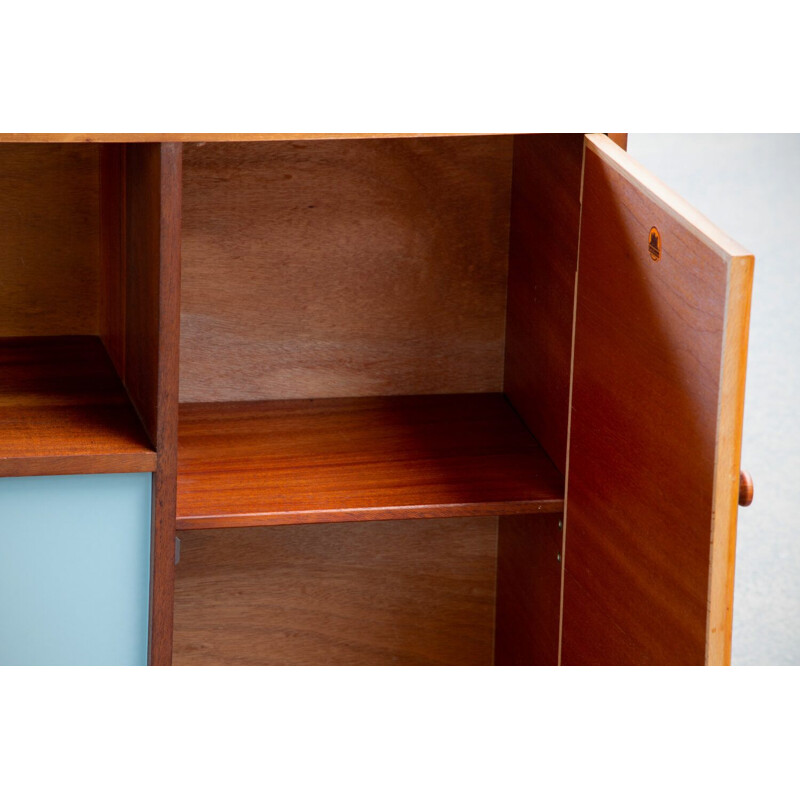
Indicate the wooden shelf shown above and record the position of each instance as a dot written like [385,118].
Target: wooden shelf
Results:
[300,461]
[63,410]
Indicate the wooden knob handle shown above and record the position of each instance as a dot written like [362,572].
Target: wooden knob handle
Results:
[745,488]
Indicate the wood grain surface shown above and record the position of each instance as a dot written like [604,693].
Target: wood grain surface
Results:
[619,139]
[344,269]
[49,240]
[528,590]
[289,462]
[543,257]
[64,411]
[411,592]
[650,421]
[152,203]
[210,137]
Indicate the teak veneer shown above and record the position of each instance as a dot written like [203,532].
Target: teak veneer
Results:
[373,593]
[290,462]
[407,398]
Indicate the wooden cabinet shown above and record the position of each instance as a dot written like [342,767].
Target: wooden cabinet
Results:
[406,399]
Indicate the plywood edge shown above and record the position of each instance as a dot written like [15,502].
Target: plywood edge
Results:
[730,417]
[664,197]
[209,137]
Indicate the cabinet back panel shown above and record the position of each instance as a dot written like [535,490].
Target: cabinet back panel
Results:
[49,239]
[339,269]
[410,592]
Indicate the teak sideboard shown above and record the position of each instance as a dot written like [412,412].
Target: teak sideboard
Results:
[398,398]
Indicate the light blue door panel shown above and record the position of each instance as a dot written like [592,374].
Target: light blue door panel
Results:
[74,569]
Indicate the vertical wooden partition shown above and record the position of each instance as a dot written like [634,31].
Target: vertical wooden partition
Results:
[140,319]
[543,254]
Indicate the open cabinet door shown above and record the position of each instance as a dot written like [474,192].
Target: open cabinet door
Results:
[661,321]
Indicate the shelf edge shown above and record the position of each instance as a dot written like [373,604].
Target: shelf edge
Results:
[108,463]
[321,516]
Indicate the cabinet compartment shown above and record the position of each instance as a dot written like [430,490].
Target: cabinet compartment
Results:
[317,271]
[64,410]
[352,353]
[89,261]
[465,591]
[395,592]
[64,407]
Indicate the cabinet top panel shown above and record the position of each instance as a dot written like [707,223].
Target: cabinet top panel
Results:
[209,137]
